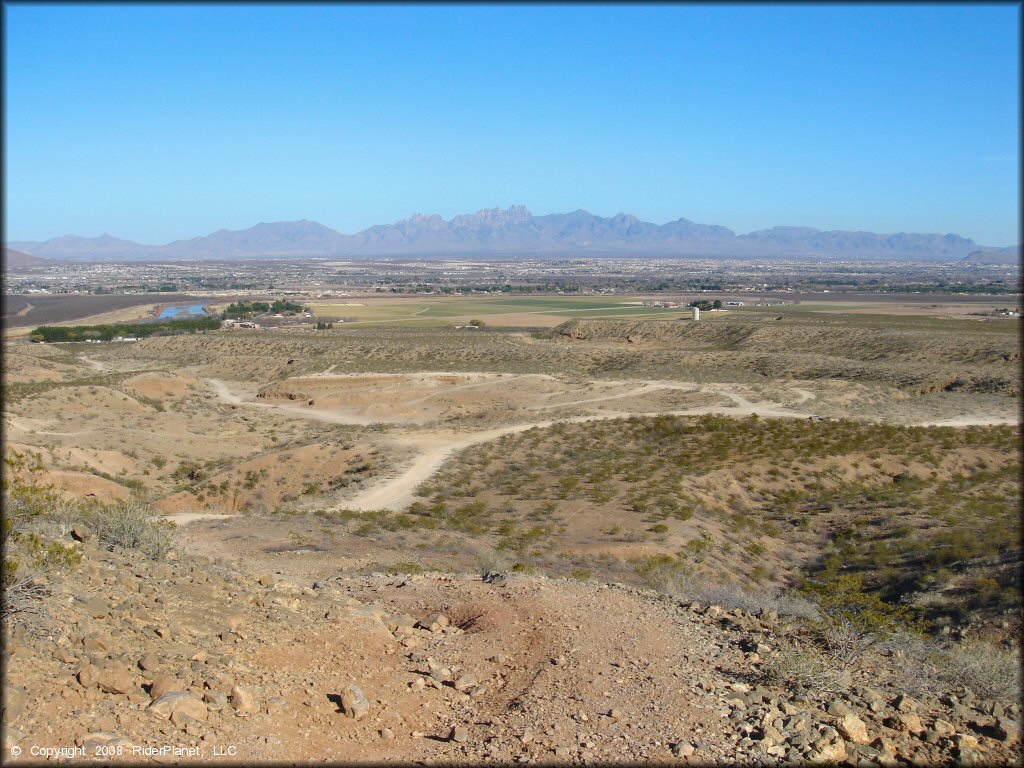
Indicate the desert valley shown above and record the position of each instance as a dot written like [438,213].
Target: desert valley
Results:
[545,528]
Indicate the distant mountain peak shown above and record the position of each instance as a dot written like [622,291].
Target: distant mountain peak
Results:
[514,230]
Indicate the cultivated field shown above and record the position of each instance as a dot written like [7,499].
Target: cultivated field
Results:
[22,313]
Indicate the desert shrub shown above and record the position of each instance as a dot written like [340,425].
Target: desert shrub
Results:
[35,518]
[132,525]
[730,596]
[153,402]
[989,671]
[661,572]
[406,566]
[526,569]
[798,666]
[852,619]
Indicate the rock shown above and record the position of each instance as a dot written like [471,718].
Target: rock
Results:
[682,749]
[966,740]
[96,607]
[89,675]
[465,683]
[10,736]
[960,712]
[904,703]
[615,714]
[460,734]
[244,699]
[967,756]
[825,751]
[401,624]
[14,701]
[215,700]
[267,580]
[440,674]
[96,643]
[90,741]
[181,703]
[434,623]
[115,678]
[839,708]
[387,734]
[81,533]
[164,684]
[149,662]
[943,728]
[354,703]
[1007,730]
[852,728]
[276,705]
[908,723]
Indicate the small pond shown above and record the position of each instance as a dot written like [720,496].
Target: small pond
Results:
[192,310]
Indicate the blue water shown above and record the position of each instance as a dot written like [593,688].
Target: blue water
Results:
[193,310]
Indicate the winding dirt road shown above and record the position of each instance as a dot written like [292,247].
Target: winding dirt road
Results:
[434,447]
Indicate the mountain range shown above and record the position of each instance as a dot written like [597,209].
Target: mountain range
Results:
[515,232]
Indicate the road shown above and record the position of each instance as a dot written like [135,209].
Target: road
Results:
[434,447]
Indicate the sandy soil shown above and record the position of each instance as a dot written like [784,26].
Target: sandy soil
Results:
[432,448]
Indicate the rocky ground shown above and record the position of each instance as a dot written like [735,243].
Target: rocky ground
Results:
[193,659]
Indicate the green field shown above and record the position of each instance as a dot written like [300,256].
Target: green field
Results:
[444,310]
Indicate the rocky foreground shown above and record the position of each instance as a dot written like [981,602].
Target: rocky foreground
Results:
[192,660]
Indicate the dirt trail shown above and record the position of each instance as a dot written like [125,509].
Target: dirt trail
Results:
[96,364]
[435,447]
[15,423]
[805,395]
[184,518]
[970,421]
[332,417]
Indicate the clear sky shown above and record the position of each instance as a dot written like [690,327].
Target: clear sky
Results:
[160,122]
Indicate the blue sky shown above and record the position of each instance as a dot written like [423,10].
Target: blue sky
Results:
[160,122]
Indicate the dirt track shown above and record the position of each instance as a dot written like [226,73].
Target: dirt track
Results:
[435,446]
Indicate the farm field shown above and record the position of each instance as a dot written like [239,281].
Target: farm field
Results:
[500,312]
[22,313]
[546,311]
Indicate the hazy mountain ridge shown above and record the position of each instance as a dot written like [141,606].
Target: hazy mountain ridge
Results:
[1008,255]
[516,230]
[20,260]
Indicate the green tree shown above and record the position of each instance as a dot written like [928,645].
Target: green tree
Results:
[852,619]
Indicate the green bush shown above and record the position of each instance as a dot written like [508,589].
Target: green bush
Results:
[35,519]
[853,619]
[132,525]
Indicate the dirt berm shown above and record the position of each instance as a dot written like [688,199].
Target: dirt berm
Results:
[920,360]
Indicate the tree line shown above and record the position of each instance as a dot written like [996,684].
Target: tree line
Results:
[108,332]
